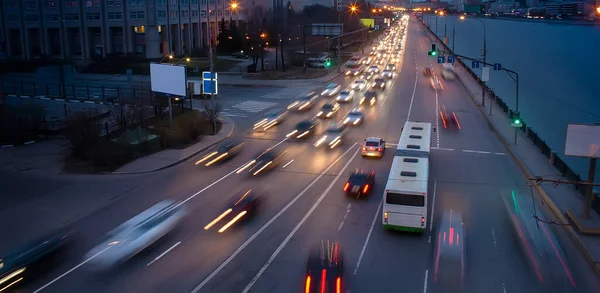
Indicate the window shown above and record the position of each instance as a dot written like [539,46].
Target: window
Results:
[92,3]
[70,3]
[220,12]
[11,4]
[405,199]
[173,2]
[203,13]
[194,13]
[72,16]
[92,16]
[194,1]
[184,2]
[227,12]
[141,15]
[51,4]
[140,49]
[140,29]
[31,17]
[135,2]
[115,16]
[114,2]
[173,14]
[202,1]
[184,13]
[30,5]
[162,14]
[161,2]
[52,17]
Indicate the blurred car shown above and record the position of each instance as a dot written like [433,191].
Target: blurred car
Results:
[449,119]
[367,76]
[332,137]
[332,89]
[435,83]
[239,55]
[325,268]
[263,161]
[243,204]
[135,235]
[427,71]
[328,110]
[359,85]
[355,116]
[303,129]
[353,71]
[345,96]
[382,60]
[28,259]
[271,119]
[225,151]
[367,60]
[303,104]
[387,74]
[359,183]
[370,98]
[373,147]
[539,244]
[449,258]
[379,84]
[373,69]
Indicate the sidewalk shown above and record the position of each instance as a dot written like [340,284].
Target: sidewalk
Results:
[561,199]
[169,158]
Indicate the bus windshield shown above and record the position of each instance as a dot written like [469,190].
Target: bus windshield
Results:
[405,199]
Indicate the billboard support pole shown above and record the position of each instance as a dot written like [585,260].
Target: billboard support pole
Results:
[589,189]
[170,111]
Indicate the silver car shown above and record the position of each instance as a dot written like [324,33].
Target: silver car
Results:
[345,96]
[304,103]
[331,90]
[332,137]
[135,235]
[373,69]
[354,117]
[271,119]
[373,147]
[359,84]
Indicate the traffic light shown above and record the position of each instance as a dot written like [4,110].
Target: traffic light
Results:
[327,62]
[516,121]
[433,51]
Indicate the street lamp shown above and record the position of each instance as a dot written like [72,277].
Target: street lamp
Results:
[234,7]
[168,56]
[484,57]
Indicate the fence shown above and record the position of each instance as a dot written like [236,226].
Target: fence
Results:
[541,144]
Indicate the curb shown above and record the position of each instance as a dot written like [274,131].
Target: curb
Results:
[555,210]
[75,100]
[17,145]
[186,158]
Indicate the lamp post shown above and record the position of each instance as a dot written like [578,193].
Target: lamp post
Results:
[234,7]
[212,68]
[484,57]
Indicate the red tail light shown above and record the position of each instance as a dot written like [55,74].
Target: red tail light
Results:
[379,149]
[346,186]
[422,220]
[366,188]
[307,285]
[338,285]
[323,280]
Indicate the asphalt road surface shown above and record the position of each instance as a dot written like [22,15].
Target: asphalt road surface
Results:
[304,203]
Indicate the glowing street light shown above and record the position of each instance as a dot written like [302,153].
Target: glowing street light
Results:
[234,6]
[462,17]
[598,9]
[353,8]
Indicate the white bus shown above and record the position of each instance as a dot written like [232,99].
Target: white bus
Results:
[405,196]
[415,140]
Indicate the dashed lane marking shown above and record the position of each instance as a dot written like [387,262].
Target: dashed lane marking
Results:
[469,151]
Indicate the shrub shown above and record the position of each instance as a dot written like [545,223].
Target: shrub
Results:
[82,132]
[109,156]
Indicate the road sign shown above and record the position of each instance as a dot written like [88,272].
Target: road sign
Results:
[129,75]
[451,59]
[475,64]
[485,73]
[206,86]
[327,29]
[497,66]
[441,59]
[377,27]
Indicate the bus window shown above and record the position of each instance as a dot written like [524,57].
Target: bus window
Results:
[405,199]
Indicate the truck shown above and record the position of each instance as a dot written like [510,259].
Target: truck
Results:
[474,8]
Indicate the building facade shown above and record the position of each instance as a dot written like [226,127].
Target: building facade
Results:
[83,29]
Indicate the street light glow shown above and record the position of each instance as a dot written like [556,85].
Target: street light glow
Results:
[234,5]
[441,13]
[170,56]
[353,8]
[462,17]
[598,9]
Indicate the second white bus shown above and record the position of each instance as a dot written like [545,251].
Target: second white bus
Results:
[415,140]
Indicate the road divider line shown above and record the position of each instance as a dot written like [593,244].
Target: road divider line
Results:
[413,96]
[442,149]
[494,238]
[345,217]
[425,283]
[71,270]
[437,118]
[364,248]
[164,253]
[433,205]
[299,225]
[270,222]
[287,164]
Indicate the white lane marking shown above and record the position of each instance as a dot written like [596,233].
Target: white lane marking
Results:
[266,225]
[500,154]
[71,270]
[364,248]
[164,253]
[476,152]
[345,217]
[293,232]
[433,205]
[437,118]
[441,149]
[503,288]
[287,164]
[413,96]
[494,238]
[429,240]
[425,284]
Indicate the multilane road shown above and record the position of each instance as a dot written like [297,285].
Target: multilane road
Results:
[304,203]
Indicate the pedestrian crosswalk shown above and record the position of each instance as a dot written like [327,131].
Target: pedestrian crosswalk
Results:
[241,109]
[290,92]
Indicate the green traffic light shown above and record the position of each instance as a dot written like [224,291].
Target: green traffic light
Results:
[433,53]
[517,121]
[328,64]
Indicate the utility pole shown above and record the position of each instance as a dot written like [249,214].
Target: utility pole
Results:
[212,70]
[339,43]
[589,186]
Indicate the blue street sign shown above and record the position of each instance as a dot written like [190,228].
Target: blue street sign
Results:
[129,75]
[206,88]
[441,59]
[475,64]
[497,66]
[451,59]
[206,75]
[376,27]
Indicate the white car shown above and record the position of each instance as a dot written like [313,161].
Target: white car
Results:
[354,117]
[271,119]
[331,90]
[345,96]
[373,147]
[332,137]
[135,235]
[304,103]
[435,83]
[373,69]
[359,84]
[387,74]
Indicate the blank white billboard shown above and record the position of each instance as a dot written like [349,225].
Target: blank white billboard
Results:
[583,141]
[168,79]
